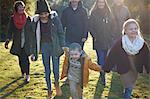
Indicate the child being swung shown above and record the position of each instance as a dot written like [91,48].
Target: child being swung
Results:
[76,67]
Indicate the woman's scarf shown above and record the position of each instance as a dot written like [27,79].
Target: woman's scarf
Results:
[19,20]
[132,48]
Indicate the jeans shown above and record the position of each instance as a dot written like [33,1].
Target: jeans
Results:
[127,93]
[24,62]
[101,55]
[46,56]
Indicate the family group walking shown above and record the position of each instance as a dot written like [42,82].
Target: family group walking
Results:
[117,41]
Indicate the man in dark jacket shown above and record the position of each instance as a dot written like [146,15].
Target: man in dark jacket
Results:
[74,20]
[121,14]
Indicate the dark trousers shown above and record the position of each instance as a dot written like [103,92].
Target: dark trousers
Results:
[24,62]
[101,55]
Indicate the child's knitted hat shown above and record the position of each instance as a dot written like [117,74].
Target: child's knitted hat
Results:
[74,46]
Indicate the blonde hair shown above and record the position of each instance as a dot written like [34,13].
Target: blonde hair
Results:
[129,21]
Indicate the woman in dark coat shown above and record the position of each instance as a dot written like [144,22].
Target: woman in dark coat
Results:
[129,54]
[49,38]
[102,26]
[19,31]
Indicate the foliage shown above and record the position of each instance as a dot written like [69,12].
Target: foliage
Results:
[139,11]
[7,10]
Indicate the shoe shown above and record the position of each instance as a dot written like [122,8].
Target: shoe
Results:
[102,76]
[23,75]
[127,93]
[58,90]
[27,78]
[49,94]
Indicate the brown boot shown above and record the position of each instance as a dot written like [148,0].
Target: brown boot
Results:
[49,94]
[58,90]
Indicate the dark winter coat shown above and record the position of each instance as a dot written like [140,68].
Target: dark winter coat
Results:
[57,35]
[75,22]
[102,28]
[119,58]
[121,14]
[15,34]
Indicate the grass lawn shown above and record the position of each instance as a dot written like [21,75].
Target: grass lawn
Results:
[13,87]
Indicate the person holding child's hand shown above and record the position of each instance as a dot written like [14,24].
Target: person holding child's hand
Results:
[129,54]
[76,68]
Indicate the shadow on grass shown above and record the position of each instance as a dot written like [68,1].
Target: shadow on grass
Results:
[116,89]
[6,86]
[65,92]
[142,88]
[99,90]
[9,84]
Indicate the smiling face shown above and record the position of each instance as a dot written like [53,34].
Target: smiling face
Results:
[101,4]
[131,30]
[74,54]
[44,15]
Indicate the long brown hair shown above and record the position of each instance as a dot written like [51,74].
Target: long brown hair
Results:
[95,6]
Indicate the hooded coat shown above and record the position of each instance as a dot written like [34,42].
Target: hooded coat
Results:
[75,23]
[57,35]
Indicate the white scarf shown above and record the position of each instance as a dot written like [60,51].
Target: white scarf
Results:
[38,36]
[132,48]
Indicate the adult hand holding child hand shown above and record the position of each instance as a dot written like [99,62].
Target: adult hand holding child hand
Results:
[33,57]
[6,43]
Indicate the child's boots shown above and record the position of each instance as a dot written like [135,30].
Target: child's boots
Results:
[58,90]
[49,94]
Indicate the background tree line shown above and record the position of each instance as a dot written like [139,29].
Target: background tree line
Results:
[139,9]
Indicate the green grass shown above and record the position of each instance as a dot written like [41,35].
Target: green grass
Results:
[13,87]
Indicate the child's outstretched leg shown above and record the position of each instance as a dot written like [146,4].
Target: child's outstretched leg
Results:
[74,90]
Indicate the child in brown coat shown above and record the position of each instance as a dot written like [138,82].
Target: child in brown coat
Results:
[76,67]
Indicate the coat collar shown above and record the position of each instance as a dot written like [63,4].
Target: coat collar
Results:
[79,5]
[36,17]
